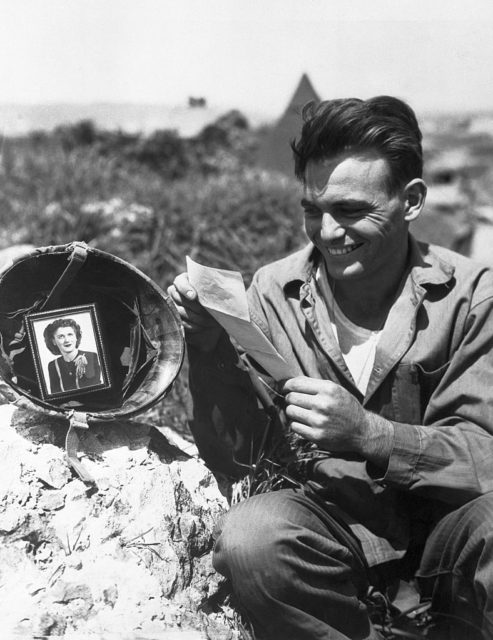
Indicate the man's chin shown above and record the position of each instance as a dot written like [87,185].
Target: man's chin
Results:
[344,272]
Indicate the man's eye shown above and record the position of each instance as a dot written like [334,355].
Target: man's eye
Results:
[311,212]
[354,211]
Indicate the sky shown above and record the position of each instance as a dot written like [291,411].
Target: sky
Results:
[248,54]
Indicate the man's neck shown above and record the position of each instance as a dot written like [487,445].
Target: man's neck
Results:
[367,301]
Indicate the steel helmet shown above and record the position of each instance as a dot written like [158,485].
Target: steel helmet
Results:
[137,336]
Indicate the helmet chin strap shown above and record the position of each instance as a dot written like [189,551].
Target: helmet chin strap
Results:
[78,420]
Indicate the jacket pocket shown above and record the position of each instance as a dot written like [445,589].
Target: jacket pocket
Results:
[412,388]
[428,381]
[406,395]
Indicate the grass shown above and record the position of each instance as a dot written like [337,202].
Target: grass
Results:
[152,202]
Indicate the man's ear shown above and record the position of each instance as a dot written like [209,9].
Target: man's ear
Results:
[414,196]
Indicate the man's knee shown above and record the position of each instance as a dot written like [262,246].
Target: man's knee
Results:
[457,567]
[472,521]
[480,512]
[459,534]
[475,535]
[282,538]
[291,568]
[253,533]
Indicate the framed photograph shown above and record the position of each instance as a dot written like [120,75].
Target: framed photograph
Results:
[68,351]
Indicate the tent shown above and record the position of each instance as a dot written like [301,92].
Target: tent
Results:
[275,152]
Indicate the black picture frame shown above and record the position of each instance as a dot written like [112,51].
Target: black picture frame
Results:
[53,337]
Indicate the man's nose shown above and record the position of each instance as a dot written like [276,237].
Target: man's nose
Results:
[330,228]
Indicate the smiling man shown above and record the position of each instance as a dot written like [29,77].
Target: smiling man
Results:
[392,344]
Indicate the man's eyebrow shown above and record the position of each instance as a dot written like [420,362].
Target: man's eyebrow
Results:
[342,201]
[352,201]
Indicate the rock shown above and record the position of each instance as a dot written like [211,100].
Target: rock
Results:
[51,501]
[11,518]
[14,252]
[67,591]
[130,558]
[49,624]
[217,631]
[110,595]
[35,426]
[51,466]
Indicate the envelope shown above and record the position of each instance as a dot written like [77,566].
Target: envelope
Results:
[222,293]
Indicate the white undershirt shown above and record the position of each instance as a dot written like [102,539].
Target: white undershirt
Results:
[358,345]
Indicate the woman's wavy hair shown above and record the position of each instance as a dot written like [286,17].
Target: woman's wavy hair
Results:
[50,330]
[382,124]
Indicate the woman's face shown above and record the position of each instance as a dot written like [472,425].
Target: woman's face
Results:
[65,339]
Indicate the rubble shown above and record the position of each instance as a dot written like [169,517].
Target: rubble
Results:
[127,558]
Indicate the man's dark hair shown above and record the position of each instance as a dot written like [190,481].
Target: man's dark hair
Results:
[384,124]
[50,330]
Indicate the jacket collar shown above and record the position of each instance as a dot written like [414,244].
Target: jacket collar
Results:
[426,267]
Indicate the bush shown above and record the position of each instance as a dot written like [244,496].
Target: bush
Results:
[163,151]
[233,216]
[81,134]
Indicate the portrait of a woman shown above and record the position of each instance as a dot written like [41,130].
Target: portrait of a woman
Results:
[73,368]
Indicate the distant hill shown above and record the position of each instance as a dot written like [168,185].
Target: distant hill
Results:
[18,119]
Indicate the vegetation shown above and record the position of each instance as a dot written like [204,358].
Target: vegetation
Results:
[150,200]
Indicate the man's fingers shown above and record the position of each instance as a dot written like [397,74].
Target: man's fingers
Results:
[304,431]
[180,297]
[305,400]
[183,286]
[198,316]
[193,327]
[303,384]
[192,313]
[201,329]
[298,414]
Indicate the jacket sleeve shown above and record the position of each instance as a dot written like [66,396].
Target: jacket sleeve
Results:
[226,418]
[450,456]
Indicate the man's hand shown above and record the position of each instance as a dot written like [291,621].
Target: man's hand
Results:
[331,417]
[201,330]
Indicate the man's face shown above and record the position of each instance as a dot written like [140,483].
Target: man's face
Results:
[65,339]
[352,217]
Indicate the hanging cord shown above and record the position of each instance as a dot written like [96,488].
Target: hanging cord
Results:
[77,259]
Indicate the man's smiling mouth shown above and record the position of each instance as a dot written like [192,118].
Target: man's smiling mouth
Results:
[342,251]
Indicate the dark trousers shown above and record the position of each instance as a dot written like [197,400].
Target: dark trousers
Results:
[298,579]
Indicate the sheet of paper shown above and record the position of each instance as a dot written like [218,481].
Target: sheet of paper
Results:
[223,294]
[219,289]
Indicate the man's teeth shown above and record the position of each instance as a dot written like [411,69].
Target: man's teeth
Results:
[341,251]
